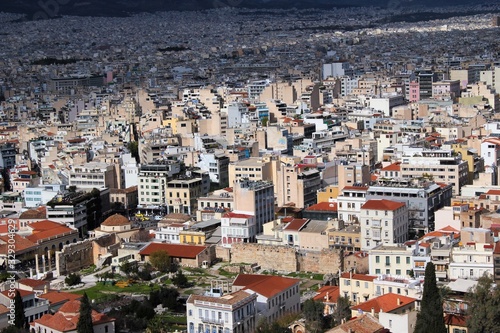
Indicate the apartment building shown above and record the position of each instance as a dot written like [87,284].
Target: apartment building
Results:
[357,287]
[253,168]
[93,175]
[217,166]
[475,162]
[181,194]
[386,140]
[34,307]
[237,227]
[296,186]
[347,238]
[152,182]
[231,313]
[255,198]
[383,221]
[471,260]
[394,260]
[276,295]
[441,165]
[421,198]
[349,203]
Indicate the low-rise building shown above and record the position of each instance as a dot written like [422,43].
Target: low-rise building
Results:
[231,313]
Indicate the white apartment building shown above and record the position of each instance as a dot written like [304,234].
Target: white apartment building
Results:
[349,203]
[93,175]
[169,233]
[471,261]
[40,195]
[385,284]
[442,165]
[490,152]
[237,227]
[383,221]
[217,166]
[231,313]
[130,171]
[394,260]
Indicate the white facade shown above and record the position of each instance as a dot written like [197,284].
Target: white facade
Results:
[272,308]
[169,234]
[399,322]
[238,227]
[231,313]
[349,203]
[490,152]
[394,260]
[36,196]
[471,261]
[383,221]
[130,171]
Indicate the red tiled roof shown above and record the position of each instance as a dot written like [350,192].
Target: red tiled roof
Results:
[23,293]
[328,294]
[55,297]
[355,188]
[493,192]
[323,206]
[48,229]
[393,167]
[21,244]
[237,215]
[296,224]
[382,204]
[386,303]
[361,277]
[32,283]
[266,285]
[455,320]
[174,250]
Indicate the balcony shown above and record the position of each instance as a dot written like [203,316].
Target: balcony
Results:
[212,321]
[376,224]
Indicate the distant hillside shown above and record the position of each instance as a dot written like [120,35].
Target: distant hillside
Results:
[46,8]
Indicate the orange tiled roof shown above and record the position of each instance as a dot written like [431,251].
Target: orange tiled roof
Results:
[361,277]
[266,285]
[55,297]
[393,167]
[32,283]
[174,250]
[21,244]
[493,192]
[386,303]
[323,206]
[382,204]
[328,294]
[296,224]
[23,293]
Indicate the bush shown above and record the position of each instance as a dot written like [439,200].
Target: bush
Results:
[73,279]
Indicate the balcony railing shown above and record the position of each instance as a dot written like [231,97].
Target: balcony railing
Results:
[212,321]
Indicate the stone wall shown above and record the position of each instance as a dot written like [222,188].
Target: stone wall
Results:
[287,259]
[74,257]
[324,261]
[268,257]
[223,253]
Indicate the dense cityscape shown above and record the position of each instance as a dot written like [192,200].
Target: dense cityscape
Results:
[240,170]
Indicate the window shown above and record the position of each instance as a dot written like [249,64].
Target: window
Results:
[407,260]
[377,259]
[398,260]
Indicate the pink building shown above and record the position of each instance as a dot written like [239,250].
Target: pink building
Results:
[414,95]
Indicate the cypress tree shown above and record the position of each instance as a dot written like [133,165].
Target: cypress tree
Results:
[84,324]
[19,318]
[430,318]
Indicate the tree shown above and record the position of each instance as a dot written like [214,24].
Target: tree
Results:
[483,306]
[342,311]
[430,318]
[19,318]
[180,280]
[272,327]
[133,146]
[313,313]
[160,261]
[73,279]
[84,324]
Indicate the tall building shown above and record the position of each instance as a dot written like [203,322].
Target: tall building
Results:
[425,80]
[296,186]
[254,198]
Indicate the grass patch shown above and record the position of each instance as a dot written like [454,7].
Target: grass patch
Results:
[225,273]
[101,291]
[88,270]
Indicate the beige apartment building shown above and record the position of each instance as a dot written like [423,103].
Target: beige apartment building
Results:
[93,175]
[354,173]
[297,187]
[443,166]
[253,168]
[182,194]
[347,238]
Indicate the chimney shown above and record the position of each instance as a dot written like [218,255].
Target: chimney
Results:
[373,311]
[46,288]
[399,301]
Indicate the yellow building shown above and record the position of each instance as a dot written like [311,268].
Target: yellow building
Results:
[328,194]
[192,237]
[474,161]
